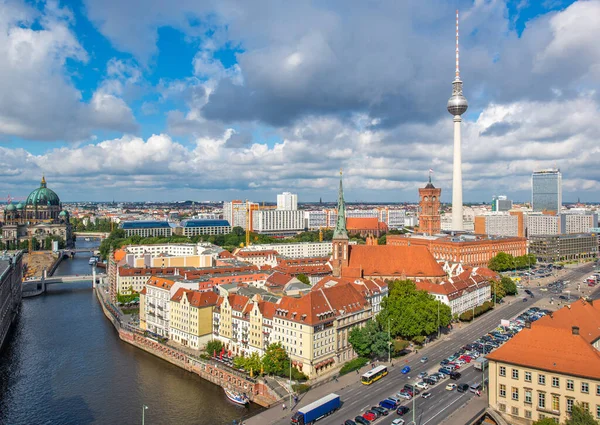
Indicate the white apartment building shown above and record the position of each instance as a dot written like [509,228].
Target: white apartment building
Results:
[287,201]
[580,222]
[498,224]
[461,293]
[272,221]
[235,212]
[393,217]
[180,249]
[539,224]
[295,250]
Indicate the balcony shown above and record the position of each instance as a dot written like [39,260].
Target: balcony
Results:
[152,305]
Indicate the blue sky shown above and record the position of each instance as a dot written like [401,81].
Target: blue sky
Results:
[151,100]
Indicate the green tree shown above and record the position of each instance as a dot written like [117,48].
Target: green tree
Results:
[238,231]
[275,361]
[370,340]
[501,262]
[580,416]
[497,289]
[303,278]
[510,287]
[545,421]
[411,312]
[382,240]
[214,346]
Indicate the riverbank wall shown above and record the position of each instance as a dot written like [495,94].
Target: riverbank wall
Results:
[257,390]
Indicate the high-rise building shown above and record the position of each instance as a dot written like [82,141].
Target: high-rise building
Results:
[501,203]
[546,190]
[236,213]
[274,221]
[287,201]
[457,105]
[499,224]
[429,207]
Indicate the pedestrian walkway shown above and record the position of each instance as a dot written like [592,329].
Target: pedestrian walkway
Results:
[468,412]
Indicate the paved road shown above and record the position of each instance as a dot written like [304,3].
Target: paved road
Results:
[357,398]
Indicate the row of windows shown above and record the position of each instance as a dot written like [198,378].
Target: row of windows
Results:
[554,380]
[543,402]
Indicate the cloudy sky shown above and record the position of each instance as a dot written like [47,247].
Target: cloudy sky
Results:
[225,99]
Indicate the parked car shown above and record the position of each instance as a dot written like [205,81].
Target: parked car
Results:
[455,376]
[370,416]
[444,371]
[402,410]
[349,422]
[450,387]
[405,370]
[422,375]
[398,421]
[404,394]
[430,380]
[383,411]
[426,394]
[362,421]
[422,385]
[388,404]
[444,362]
[375,412]
[524,300]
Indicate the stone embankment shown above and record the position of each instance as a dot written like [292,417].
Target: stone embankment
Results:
[257,390]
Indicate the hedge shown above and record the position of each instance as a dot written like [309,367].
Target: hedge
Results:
[467,316]
[353,365]
[300,388]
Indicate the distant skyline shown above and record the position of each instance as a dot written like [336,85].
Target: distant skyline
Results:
[236,99]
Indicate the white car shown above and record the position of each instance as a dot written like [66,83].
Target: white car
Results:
[398,421]
[460,361]
[405,396]
[450,387]
[422,385]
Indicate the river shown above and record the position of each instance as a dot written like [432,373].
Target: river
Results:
[65,364]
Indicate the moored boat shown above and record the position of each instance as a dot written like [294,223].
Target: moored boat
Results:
[236,397]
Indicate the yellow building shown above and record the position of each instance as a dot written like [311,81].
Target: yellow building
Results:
[550,365]
[313,329]
[143,325]
[164,260]
[191,315]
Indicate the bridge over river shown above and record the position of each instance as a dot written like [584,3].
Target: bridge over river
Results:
[32,288]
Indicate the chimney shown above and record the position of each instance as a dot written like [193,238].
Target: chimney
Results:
[528,324]
[575,330]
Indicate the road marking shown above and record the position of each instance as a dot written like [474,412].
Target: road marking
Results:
[447,406]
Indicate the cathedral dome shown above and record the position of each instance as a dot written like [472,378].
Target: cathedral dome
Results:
[10,207]
[43,196]
[20,206]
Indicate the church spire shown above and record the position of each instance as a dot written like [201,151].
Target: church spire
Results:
[340,231]
[43,182]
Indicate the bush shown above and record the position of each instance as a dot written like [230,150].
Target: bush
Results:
[300,388]
[419,339]
[353,365]
[298,376]
[467,316]
[399,346]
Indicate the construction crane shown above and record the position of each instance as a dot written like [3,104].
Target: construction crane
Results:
[248,212]
[320,234]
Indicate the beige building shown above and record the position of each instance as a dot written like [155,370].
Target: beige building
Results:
[165,260]
[313,329]
[549,366]
[191,314]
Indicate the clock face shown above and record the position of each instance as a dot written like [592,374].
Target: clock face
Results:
[426,198]
[433,199]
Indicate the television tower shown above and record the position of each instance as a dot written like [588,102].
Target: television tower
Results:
[457,105]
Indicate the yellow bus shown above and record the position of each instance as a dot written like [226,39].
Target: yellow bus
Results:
[374,375]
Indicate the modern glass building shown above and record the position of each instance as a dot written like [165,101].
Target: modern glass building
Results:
[546,190]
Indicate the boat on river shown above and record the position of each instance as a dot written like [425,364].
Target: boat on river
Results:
[236,397]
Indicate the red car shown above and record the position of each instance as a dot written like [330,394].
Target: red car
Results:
[369,416]
[466,358]
[456,365]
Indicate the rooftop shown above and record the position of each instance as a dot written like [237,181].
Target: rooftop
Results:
[146,225]
[205,223]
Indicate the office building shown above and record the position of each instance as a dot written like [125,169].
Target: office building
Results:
[548,367]
[560,224]
[295,250]
[498,224]
[546,190]
[574,247]
[203,227]
[287,201]
[148,229]
[501,204]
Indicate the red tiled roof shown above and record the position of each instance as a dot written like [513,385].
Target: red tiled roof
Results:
[225,254]
[143,291]
[367,287]
[455,287]
[581,313]
[238,302]
[362,223]
[119,254]
[267,309]
[550,349]
[391,260]
[278,279]
[160,282]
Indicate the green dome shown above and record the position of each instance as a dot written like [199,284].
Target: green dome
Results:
[63,213]
[43,196]
[10,207]
[20,206]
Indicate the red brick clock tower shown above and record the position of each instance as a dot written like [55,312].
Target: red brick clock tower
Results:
[429,209]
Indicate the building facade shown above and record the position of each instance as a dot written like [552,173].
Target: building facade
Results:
[147,229]
[575,247]
[39,217]
[429,209]
[204,227]
[501,204]
[548,367]
[236,213]
[11,281]
[294,250]
[546,190]
[498,224]
[191,317]
[287,201]
[274,221]
[470,250]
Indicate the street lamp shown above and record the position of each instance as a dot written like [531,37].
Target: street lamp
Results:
[144,408]
[389,342]
[439,330]
[291,391]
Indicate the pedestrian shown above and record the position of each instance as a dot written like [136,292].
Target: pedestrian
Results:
[335,377]
[357,371]
[283,406]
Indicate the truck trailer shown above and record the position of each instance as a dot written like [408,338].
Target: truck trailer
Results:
[480,364]
[316,410]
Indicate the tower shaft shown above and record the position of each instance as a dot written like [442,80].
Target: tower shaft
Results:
[457,198]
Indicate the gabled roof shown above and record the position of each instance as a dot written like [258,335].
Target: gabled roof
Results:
[581,313]
[160,282]
[196,298]
[267,309]
[391,260]
[278,279]
[238,302]
[367,287]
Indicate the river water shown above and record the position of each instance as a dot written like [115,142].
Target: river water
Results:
[65,364]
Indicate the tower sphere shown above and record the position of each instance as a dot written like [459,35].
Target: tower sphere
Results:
[457,104]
